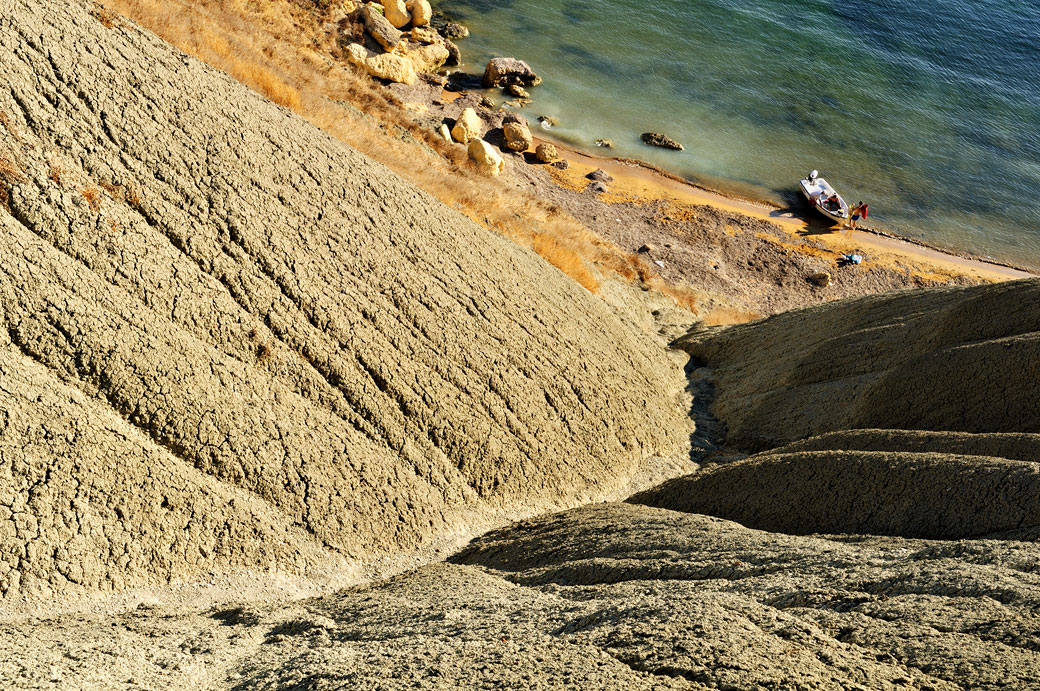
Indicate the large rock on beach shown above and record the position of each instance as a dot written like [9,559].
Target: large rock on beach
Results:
[421,12]
[663,141]
[487,159]
[426,58]
[467,126]
[389,66]
[396,13]
[517,135]
[546,153]
[502,71]
[382,31]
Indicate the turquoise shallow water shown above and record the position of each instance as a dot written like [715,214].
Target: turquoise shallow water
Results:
[929,111]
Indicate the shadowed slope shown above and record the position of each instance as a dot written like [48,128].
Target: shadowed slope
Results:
[940,359]
[279,314]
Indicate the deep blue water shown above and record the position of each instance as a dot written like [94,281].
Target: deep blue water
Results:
[930,111]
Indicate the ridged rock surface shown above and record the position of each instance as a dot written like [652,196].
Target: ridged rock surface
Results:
[960,359]
[227,339]
[615,596]
[910,484]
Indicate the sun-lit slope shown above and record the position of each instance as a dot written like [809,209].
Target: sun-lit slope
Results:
[964,359]
[879,482]
[282,316]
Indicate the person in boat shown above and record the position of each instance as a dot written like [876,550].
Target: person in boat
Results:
[833,203]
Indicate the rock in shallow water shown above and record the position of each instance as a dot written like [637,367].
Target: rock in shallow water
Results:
[500,71]
[658,139]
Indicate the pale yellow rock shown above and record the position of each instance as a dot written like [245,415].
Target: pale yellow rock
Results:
[391,67]
[421,12]
[357,54]
[546,153]
[424,35]
[518,136]
[443,131]
[468,126]
[396,13]
[426,58]
[487,159]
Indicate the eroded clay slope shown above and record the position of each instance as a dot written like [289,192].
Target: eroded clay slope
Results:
[880,482]
[954,359]
[615,596]
[275,317]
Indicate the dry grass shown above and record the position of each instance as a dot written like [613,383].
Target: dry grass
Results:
[56,174]
[280,49]
[93,198]
[10,174]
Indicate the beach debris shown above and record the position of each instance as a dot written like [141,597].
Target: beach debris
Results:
[518,91]
[468,126]
[821,279]
[517,134]
[643,249]
[562,164]
[658,139]
[600,175]
[387,66]
[605,143]
[597,187]
[487,159]
[659,263]
[396,13]
[500,71]
[548,121]
[420,12]
[547,153]
[850,259]
[382,31]
[454,30]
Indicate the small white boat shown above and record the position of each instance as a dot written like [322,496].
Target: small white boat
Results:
[822,197]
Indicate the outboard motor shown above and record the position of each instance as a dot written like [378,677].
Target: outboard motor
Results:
[813,175]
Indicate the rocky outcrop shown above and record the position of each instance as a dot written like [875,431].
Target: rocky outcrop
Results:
[388,66]
[950,359]
[660,140]
[231,342]
[382,31]
[467,126]
[517,134]
[502,71]
[425,58]
[488,160]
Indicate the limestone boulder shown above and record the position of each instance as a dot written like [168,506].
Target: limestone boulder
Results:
[660,140]
[380,29]
[468,126]
[396,13]
[487,159]
[394,68]
[420,12]
[546,153]
[518,135]
[426,58]
[503,71]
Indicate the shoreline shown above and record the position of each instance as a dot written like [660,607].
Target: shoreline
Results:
[877,239]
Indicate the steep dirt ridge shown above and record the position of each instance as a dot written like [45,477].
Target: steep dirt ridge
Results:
[830,485]
[945,359]
[250,322]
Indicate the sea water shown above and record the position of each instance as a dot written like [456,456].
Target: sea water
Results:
[927,110]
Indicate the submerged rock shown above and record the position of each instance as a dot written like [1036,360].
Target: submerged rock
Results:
[518,91]
[658,139]
[605,143]
[454,30]
[500,71]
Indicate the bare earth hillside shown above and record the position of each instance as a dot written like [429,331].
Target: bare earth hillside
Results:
[300,341]
[233,348]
